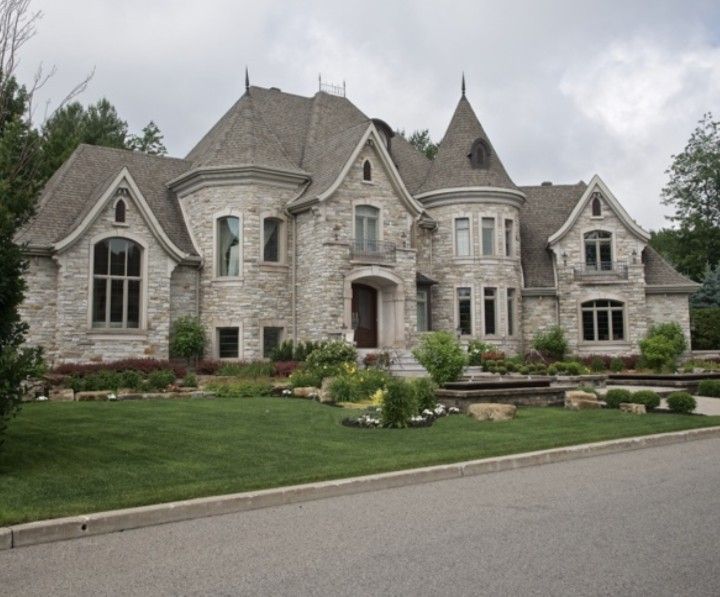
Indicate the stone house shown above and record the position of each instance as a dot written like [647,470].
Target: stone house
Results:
[301,218]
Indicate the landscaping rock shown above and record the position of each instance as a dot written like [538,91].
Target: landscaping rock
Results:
[324,395]
[490,411]
[279,388]
[89,396]
[579,404]
[636,409]
[579,395]
[61,394]
[306,392]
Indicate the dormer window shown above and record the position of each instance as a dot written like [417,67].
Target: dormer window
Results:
[596,206]
[120,212]
[479,154]
[367,171]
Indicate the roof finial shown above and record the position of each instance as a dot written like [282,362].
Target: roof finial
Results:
[463,84]
[247,80]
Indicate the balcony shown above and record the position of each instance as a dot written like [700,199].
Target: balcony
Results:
[604,271]
[372,251]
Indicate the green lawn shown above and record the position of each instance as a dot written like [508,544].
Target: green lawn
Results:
[75,457]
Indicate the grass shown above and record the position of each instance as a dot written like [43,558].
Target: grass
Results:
[68,458]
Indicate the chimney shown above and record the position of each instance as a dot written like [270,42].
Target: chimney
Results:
[546,183]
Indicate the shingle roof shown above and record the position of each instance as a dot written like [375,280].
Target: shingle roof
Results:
[659,272]
[546,209]
[74,189]
[412,165]
[451,167]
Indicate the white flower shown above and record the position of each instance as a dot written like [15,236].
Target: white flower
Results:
[41,398]
[111,397]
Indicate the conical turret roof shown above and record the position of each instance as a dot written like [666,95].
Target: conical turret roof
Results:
[453,167]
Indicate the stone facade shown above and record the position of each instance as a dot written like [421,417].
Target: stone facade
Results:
[661,308]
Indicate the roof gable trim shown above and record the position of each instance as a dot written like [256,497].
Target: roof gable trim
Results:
[136,195]
[598,184]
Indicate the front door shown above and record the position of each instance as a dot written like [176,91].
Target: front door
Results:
[364,315]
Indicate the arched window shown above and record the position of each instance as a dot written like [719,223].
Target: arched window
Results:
[596,206]
[598,251]
[228,247]
[120,212]
[603,321]
[272,236]
[367,170]
[117,278]
[366,229]
[479,154]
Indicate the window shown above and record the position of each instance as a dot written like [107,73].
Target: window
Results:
[120,212]
[488,236]
[367,170]
[116,284]
[462,237]
[603,321]
[228,247]
[271,340]
[479,154]
[423,310]
[272,228]
[490,316]
[511,311]
[509,230]
[596,206]
[464,307]
[228,343]
[598,250]
[366,228]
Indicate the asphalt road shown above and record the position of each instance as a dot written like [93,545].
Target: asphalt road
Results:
[640,523]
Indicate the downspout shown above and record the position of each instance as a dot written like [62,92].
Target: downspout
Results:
[294,280]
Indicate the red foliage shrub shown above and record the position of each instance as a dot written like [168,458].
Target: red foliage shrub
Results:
[630,361]
[285,368]
[493,355]
[588,360]
[207,367]
[140,365]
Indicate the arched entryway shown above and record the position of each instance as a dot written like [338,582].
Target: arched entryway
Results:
[375,308]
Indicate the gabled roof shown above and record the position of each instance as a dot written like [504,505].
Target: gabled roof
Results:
[75,188]
[411,163]
[658,272]
[545,210]
[451,167]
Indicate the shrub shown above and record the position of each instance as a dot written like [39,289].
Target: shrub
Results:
[249,370]
[187,338]
[283,352]
[552,369]
[331,353]
[525,370]
[377,359]
[304,377]
[705,328]
[424,389]
[588,390]
[190,381]
[441,354]
[597,365]
[140,365]
[614,397]
[616,365]
[159,380]
[285,368]
[551,343]
[709,387]
[493,355]
[630,361]
[371,380]
[303,349]
[573,368]
[658,353]
[649,398]
[247,388]
[344,388]
[681,403]
[399,404]
[476,350]
[207,367]
[131,380]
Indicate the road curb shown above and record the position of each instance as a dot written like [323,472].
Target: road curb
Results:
[73,527]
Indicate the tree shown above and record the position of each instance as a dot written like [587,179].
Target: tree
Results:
[709,293]
[694,185]
[421,141]
[150,142]
[690,250]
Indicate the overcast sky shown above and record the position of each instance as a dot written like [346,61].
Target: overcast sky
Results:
[564,89]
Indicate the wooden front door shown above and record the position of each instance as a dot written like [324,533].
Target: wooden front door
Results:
[364,315]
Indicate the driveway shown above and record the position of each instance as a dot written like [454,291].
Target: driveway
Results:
[638,523]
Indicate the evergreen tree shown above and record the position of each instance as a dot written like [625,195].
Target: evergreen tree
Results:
[709,293]
[150,142]
[423,143]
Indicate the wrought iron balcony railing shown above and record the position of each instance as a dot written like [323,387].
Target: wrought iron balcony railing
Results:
[373,250]
[601,270]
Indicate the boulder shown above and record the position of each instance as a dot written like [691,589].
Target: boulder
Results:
[62,394]
[489,411]
[579,395]
[636,409]
[306,392]
[579,400]
[324,394]
[89,396]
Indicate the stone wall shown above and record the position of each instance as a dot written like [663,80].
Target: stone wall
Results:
[664,308]
[538,313]
[475,271]
[39,309]
[184,292]
[261,295]
[573,290]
